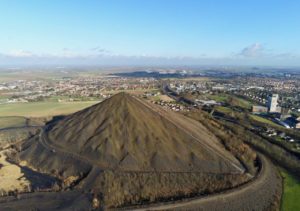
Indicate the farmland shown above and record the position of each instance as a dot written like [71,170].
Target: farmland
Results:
[41,109]
[8,122]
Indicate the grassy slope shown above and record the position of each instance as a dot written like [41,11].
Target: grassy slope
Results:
[40,109]
[291,192]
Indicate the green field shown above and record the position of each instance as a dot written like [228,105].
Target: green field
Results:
[131,91]
[42,109]
[223,109]
[230,99]
[218,98]
[263,120]
[6,122]
[14,75]
[291,192]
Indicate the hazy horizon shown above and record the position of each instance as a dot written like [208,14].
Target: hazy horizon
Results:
[135,33]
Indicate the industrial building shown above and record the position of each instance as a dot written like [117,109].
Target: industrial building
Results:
[273,104]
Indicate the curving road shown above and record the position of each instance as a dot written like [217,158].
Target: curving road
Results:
[47,145]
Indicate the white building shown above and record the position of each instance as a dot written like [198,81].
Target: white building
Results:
[273,103]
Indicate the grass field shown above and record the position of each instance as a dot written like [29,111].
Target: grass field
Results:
[232,100]
[263,120]
[195,79]
[14,75]
[218,98]
[242,103]
[42,109]
[6,122]
[291,192]
[131,91]
[223,109]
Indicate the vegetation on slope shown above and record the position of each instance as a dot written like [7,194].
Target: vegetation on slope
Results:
[232,141]
[136,188]
[291,192]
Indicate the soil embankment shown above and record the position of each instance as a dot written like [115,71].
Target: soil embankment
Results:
[262,193]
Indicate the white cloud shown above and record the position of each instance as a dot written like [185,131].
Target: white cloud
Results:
[258,52]
[254,50]
[19,53]
[254,54]
[100,50]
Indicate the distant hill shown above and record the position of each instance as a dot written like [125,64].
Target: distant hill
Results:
[155,74]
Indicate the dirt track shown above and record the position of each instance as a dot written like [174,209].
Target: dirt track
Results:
[255,195]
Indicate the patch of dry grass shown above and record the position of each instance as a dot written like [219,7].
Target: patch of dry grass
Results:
[11,177]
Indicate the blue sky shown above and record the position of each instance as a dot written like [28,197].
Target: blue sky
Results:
[233,32]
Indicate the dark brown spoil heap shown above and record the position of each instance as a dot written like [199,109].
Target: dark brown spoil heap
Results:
[123,134]
[131,152]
